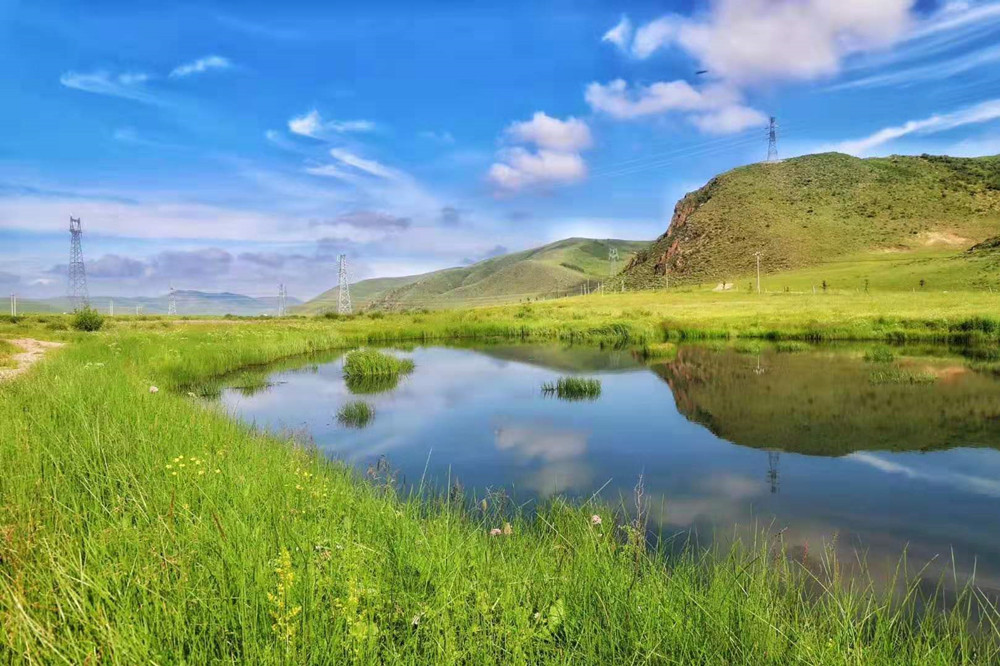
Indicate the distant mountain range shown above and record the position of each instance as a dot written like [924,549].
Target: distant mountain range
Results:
[557,269]
[188,303]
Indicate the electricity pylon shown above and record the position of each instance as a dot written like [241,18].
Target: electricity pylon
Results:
[78,296]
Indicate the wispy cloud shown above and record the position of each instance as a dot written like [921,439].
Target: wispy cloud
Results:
[965,482]
[127,85]
[971,115]
[312,125]
[942,69]
[368,166]
[200,66]
[620,34]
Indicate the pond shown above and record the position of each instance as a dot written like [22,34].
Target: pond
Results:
[873,457]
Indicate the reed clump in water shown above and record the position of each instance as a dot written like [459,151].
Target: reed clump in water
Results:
[901,376]
[373,363]
[573,388]
[357,414]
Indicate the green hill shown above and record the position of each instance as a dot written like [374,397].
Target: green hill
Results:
[362,294]
[921,213]
[556,269]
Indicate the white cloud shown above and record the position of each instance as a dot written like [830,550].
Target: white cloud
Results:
[653,35]
[557,160]
[200,66]
[715,108]
[979,113]
[745,43]
[729,120]
[570,135]
[520,168]
[620,34]
[312,125]
[752,41]
[128,85]
[370,167]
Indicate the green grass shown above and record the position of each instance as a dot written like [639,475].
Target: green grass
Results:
[7,351]
[879,355]
[368,371]
[573,388]
[356,414]
[901,376]
[373,363]
[144,528]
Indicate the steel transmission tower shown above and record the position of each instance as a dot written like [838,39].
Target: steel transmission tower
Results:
[344,297]
[613,261]
[172,301]
[78,296]
[772,140]
[282,295]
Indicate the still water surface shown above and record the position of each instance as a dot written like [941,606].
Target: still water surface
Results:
[804,442]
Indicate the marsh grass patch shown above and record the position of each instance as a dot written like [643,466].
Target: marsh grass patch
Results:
[357,414]
[573,388]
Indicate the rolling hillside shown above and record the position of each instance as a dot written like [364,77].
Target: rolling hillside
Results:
[558,268]
[863,218]
[362,294]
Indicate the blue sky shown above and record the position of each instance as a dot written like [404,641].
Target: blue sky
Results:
[233,146]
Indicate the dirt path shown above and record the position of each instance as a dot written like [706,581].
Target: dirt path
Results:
[33,352]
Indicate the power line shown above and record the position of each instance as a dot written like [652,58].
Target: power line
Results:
[78,296]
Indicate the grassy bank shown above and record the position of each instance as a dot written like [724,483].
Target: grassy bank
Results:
[149,527]
[636,318]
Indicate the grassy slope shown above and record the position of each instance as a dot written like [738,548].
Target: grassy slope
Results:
[362,293]
[142,527]
[810,210]
[559,267]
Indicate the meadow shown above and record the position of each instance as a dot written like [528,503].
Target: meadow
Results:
[147,526]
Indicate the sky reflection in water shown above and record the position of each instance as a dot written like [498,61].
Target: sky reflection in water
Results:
[479,416]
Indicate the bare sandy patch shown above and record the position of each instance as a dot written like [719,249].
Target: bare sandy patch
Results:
[944,239]
[33,352]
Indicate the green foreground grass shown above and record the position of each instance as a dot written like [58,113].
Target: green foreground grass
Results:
[149,527]
[7,351]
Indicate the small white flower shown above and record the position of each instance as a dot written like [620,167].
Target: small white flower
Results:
[153,389]
[595,519]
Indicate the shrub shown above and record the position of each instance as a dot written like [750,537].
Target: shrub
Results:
[88,319]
